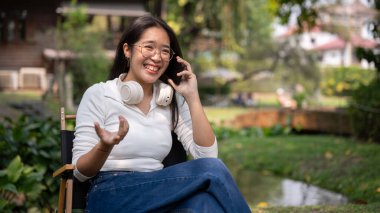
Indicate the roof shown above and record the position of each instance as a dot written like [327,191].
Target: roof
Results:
[339,43]
[114,9]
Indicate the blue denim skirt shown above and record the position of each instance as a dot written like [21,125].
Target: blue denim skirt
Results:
[202,185]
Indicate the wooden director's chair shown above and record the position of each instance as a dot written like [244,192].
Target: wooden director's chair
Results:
[72,192]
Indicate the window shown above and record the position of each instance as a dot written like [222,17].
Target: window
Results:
[13,26]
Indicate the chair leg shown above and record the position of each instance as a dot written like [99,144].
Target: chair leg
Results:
[69,195]
[61,198]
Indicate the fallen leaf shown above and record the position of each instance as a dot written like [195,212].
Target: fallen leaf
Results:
[262,204]
[328,155]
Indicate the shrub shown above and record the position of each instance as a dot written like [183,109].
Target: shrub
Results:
[36,141]
[342,81]
[20,185]
[365,112]
[91,63]
[225,133]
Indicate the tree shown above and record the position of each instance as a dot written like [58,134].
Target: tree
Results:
[373,55]
[364,104]
[235,25]
[235,35]
[87,62]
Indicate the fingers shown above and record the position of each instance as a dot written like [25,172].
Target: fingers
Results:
[123,127]
[186,75]
[113,137]
[184,63]
[98,130]
[171,82]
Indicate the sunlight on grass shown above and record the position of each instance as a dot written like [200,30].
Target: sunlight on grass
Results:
[19,96]
[334,101]
[220,114]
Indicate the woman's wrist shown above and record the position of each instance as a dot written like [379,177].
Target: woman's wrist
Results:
[104,147]
[192,98]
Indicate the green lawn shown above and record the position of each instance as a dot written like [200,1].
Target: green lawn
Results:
[338,164]
[51,106]
[220,114]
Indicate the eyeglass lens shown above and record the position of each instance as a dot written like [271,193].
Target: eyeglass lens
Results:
[148,50]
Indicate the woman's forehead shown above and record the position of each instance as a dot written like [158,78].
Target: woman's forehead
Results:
[155,35]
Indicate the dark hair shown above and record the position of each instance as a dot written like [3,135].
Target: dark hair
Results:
[131,36]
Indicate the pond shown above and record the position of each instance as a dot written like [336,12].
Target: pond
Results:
[275,191]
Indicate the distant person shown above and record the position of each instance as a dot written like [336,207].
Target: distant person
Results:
[239,100]
[123,133]
[250,100]
[285,100]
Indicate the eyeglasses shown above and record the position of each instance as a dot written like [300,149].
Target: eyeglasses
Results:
[149,50]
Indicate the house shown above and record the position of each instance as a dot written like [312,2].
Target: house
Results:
[340,29]
[27,45]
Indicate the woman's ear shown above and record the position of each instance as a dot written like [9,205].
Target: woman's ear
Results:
[126,50]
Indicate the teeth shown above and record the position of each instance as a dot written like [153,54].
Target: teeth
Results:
[151,68]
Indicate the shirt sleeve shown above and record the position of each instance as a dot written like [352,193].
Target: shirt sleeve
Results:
[184,130]
[91,109]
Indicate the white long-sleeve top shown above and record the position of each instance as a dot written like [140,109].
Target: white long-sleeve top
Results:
[148,140]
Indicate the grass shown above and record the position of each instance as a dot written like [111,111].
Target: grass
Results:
[349,208]
[334,163]
[19,97]
[220,114]
[332,102]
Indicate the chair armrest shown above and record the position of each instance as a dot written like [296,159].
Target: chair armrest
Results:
[65,168]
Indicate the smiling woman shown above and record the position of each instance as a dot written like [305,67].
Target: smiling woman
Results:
[150,90]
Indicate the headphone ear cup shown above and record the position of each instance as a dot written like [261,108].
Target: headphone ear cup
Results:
[131,92]
[165,95]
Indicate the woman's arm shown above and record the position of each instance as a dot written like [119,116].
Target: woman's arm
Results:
[202,132]
[90,163]
[92,144]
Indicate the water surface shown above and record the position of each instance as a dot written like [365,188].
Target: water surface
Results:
[275,191]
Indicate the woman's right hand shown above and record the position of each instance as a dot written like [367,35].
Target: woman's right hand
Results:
[109,139]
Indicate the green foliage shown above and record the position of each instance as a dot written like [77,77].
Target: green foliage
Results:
[214,89]
[234,26]
[300,98]
[298,66]
[373,55]
[90,64]
[20,185]
[225,133]
[343,80]
[365,111]
[338,164]
[307,13]
[35,142]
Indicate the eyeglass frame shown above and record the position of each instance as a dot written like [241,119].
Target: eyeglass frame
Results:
[172,53]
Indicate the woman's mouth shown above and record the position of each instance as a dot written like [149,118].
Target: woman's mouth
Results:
[152,69]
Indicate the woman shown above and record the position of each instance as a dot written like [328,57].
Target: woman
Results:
[123,132]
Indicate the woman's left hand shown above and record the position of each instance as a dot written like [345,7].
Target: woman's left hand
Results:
[188,86]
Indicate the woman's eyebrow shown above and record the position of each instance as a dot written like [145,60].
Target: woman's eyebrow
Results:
[154,42]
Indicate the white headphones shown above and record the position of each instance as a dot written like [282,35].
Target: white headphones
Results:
[132,92]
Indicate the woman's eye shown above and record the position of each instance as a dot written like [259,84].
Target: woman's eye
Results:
[149,47]
[165,51]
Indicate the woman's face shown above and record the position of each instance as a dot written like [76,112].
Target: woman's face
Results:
[148,56]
